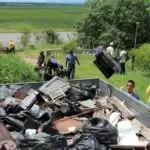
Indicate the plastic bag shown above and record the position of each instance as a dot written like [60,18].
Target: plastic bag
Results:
[78,93]
[44,142]
[102,130]
[86,142]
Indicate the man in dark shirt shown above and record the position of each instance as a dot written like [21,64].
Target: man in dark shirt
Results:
[130,89]
[41,60]
[70,64]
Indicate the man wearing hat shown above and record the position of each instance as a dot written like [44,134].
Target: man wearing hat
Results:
[110,50]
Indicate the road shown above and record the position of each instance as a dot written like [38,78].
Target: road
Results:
[6,37]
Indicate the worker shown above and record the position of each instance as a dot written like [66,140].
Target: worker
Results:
[110,50]
[71,59]
[122,61]
[130,89]
[47,58]
[11,46]
[148,93]
[54,66]
[41,60]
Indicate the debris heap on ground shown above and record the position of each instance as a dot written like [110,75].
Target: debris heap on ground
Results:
[64,116]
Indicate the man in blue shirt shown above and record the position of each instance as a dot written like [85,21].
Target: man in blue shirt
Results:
[70,64]
[130,88]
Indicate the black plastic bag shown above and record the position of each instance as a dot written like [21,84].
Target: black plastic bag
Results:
[17,124]
[79,93]
[86,142]
[103,131]
[13,108]
[47,142]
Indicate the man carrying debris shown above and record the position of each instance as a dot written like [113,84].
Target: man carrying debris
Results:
[11,46]
[41,60]
[130,89]
[122,61]
[54,66]
[70,64]
[47,58]
[110,50]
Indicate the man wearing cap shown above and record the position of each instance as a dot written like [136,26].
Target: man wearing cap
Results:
[110,50]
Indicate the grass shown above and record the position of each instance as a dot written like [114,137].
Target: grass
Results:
[14,69]
[58,17]
[88,70]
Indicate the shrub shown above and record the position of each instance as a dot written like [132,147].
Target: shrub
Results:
[50,37]
[1,44]
[25,37]
[142,57]
[14,69]
[71,45]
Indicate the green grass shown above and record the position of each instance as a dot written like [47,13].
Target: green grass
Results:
[14,69]
[58,17]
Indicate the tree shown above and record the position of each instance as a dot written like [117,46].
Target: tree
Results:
[142,55]
[115,21]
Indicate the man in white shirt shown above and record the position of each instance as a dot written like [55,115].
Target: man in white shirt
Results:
[110,50]
[122,61]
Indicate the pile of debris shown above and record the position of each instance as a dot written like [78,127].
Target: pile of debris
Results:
[64,116]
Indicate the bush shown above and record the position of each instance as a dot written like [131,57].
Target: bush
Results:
[142,57]
[14,69]
[71,45]
[50,37]
[25,37]
[1,44]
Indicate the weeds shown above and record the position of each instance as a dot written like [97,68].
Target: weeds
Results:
[14,69]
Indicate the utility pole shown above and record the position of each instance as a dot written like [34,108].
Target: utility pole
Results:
[135,42]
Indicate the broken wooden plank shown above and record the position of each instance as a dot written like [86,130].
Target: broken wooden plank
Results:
[144,130]
[126,113]
[99,114]
[102,102]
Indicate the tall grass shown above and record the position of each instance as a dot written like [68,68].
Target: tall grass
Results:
[59,17]
[14,69]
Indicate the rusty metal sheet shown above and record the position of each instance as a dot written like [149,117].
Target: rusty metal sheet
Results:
[67,125]
[22,92]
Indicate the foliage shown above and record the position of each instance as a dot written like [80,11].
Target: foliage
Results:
[142,57]
[14,69]
[71,45]
[115,21]
[50,36]
[1,44]
[25,37]
[58,17]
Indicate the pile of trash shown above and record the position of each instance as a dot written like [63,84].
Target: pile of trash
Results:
[64,116]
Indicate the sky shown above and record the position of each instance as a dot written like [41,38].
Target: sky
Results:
[47,1]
